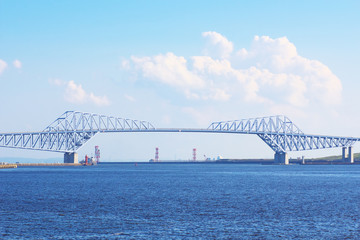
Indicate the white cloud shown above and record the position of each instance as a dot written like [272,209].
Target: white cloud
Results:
[220,94]
[3,65]
[74,93]
[99,100]
[217,45]
[17,64]
[279,56]
[270,73]
[168,69]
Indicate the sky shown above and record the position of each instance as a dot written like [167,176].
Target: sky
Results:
[180,64]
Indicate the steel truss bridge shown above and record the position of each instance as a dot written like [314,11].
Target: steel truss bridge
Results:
[73,129]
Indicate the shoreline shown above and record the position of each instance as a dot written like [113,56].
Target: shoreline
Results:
[222,161]
[3,166]
[47,164]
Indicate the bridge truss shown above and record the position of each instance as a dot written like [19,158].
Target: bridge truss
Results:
[281,134]
[73,129]
[70,131]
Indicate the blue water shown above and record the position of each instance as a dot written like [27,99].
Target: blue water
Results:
[180,201]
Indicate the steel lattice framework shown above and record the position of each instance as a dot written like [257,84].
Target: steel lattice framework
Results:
[70,131]
[73,129]
[281,134]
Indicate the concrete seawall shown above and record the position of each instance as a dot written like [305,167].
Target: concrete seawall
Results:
[8,166]
[47,164]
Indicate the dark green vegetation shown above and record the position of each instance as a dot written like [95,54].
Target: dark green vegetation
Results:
[336,158]
[322,160]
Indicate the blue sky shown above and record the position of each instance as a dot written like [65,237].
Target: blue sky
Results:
[180,64]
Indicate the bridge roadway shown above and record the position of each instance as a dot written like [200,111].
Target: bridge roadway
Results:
[73,129]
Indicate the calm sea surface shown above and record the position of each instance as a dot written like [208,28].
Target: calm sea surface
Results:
[180,201]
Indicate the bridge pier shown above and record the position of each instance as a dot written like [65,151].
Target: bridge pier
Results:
[281,158]
[344,154]
[348,154]
[71,157]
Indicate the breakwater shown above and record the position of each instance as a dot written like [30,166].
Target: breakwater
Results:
[47,164]
[3,166]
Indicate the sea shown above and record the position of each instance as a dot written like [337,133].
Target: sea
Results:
[181,201]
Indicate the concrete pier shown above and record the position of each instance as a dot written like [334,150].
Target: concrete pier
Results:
[71,157]
[3,166]
[303,160]
[350,155]
[344,154]
[281,158]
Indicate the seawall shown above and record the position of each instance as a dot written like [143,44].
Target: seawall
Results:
[47,164]
[8,166]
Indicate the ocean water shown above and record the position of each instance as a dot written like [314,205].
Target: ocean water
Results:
[180,201]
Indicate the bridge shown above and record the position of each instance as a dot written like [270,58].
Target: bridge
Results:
[72,130]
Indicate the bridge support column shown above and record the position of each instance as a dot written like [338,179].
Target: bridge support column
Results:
[344,154]
[350,155]
[281,158]
[71,157]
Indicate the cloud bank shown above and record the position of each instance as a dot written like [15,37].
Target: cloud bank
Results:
[270,72]
[74,93]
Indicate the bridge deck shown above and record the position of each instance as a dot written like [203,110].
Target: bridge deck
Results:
[184,130]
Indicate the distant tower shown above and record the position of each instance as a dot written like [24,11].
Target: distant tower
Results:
[156,154]
[194,154]
[97,154]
